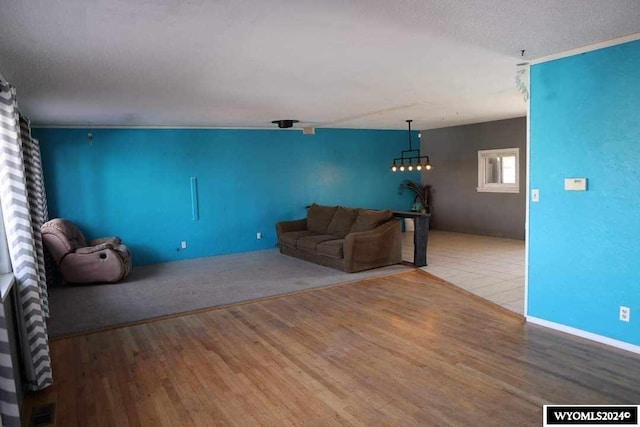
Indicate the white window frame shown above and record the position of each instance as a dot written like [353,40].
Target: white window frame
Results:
[487,187]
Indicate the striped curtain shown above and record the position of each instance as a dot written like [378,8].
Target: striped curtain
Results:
[9,410]
[37,202]
[24,209]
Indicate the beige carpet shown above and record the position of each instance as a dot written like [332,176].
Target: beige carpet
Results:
[182,286]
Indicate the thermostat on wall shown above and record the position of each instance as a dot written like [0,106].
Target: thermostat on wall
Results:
[575,184]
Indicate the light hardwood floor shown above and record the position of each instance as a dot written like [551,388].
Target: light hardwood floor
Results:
[400,350]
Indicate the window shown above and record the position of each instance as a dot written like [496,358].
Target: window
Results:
[498,170]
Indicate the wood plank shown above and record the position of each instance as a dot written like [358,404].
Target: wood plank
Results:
[397,350]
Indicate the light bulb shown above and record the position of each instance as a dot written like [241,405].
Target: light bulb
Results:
[394,168]
[410,167]
[428,166]
[419,167]
[401,168]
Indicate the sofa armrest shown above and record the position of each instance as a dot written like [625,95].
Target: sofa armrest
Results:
[375,248]
[114,241]
[287,226]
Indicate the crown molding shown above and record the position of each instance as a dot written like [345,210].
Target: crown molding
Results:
[169,127]
[587,48]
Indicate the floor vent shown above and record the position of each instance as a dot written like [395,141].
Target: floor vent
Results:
[43,415]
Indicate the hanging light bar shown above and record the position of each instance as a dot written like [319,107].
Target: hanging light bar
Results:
[421,162]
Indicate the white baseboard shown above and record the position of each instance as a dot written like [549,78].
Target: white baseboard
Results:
[584,334]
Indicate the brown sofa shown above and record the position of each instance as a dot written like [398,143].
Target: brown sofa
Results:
[349,239]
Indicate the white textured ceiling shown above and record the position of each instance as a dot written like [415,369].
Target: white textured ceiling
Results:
[358,63]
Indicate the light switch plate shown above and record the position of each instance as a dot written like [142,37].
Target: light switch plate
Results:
[535,195]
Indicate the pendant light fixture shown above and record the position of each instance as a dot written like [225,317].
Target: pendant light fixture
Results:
[421,162]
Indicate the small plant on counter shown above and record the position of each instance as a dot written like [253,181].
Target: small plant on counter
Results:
[422,201]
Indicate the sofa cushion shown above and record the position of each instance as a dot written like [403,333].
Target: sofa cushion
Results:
[342,221]
[319,217]
[332,248]
[369,219]
[290,238]
[311,242]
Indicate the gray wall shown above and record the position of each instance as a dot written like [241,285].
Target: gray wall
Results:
[456,204]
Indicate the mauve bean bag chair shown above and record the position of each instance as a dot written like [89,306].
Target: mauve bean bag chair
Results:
[104,260]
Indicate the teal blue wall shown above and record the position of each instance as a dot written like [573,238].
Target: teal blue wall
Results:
[135,183]
[585,246]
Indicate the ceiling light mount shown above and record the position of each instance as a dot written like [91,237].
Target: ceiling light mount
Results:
[413,157]
[285,123]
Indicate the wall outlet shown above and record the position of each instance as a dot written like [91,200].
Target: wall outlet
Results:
[625,313]
[183,244]
[258,235]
